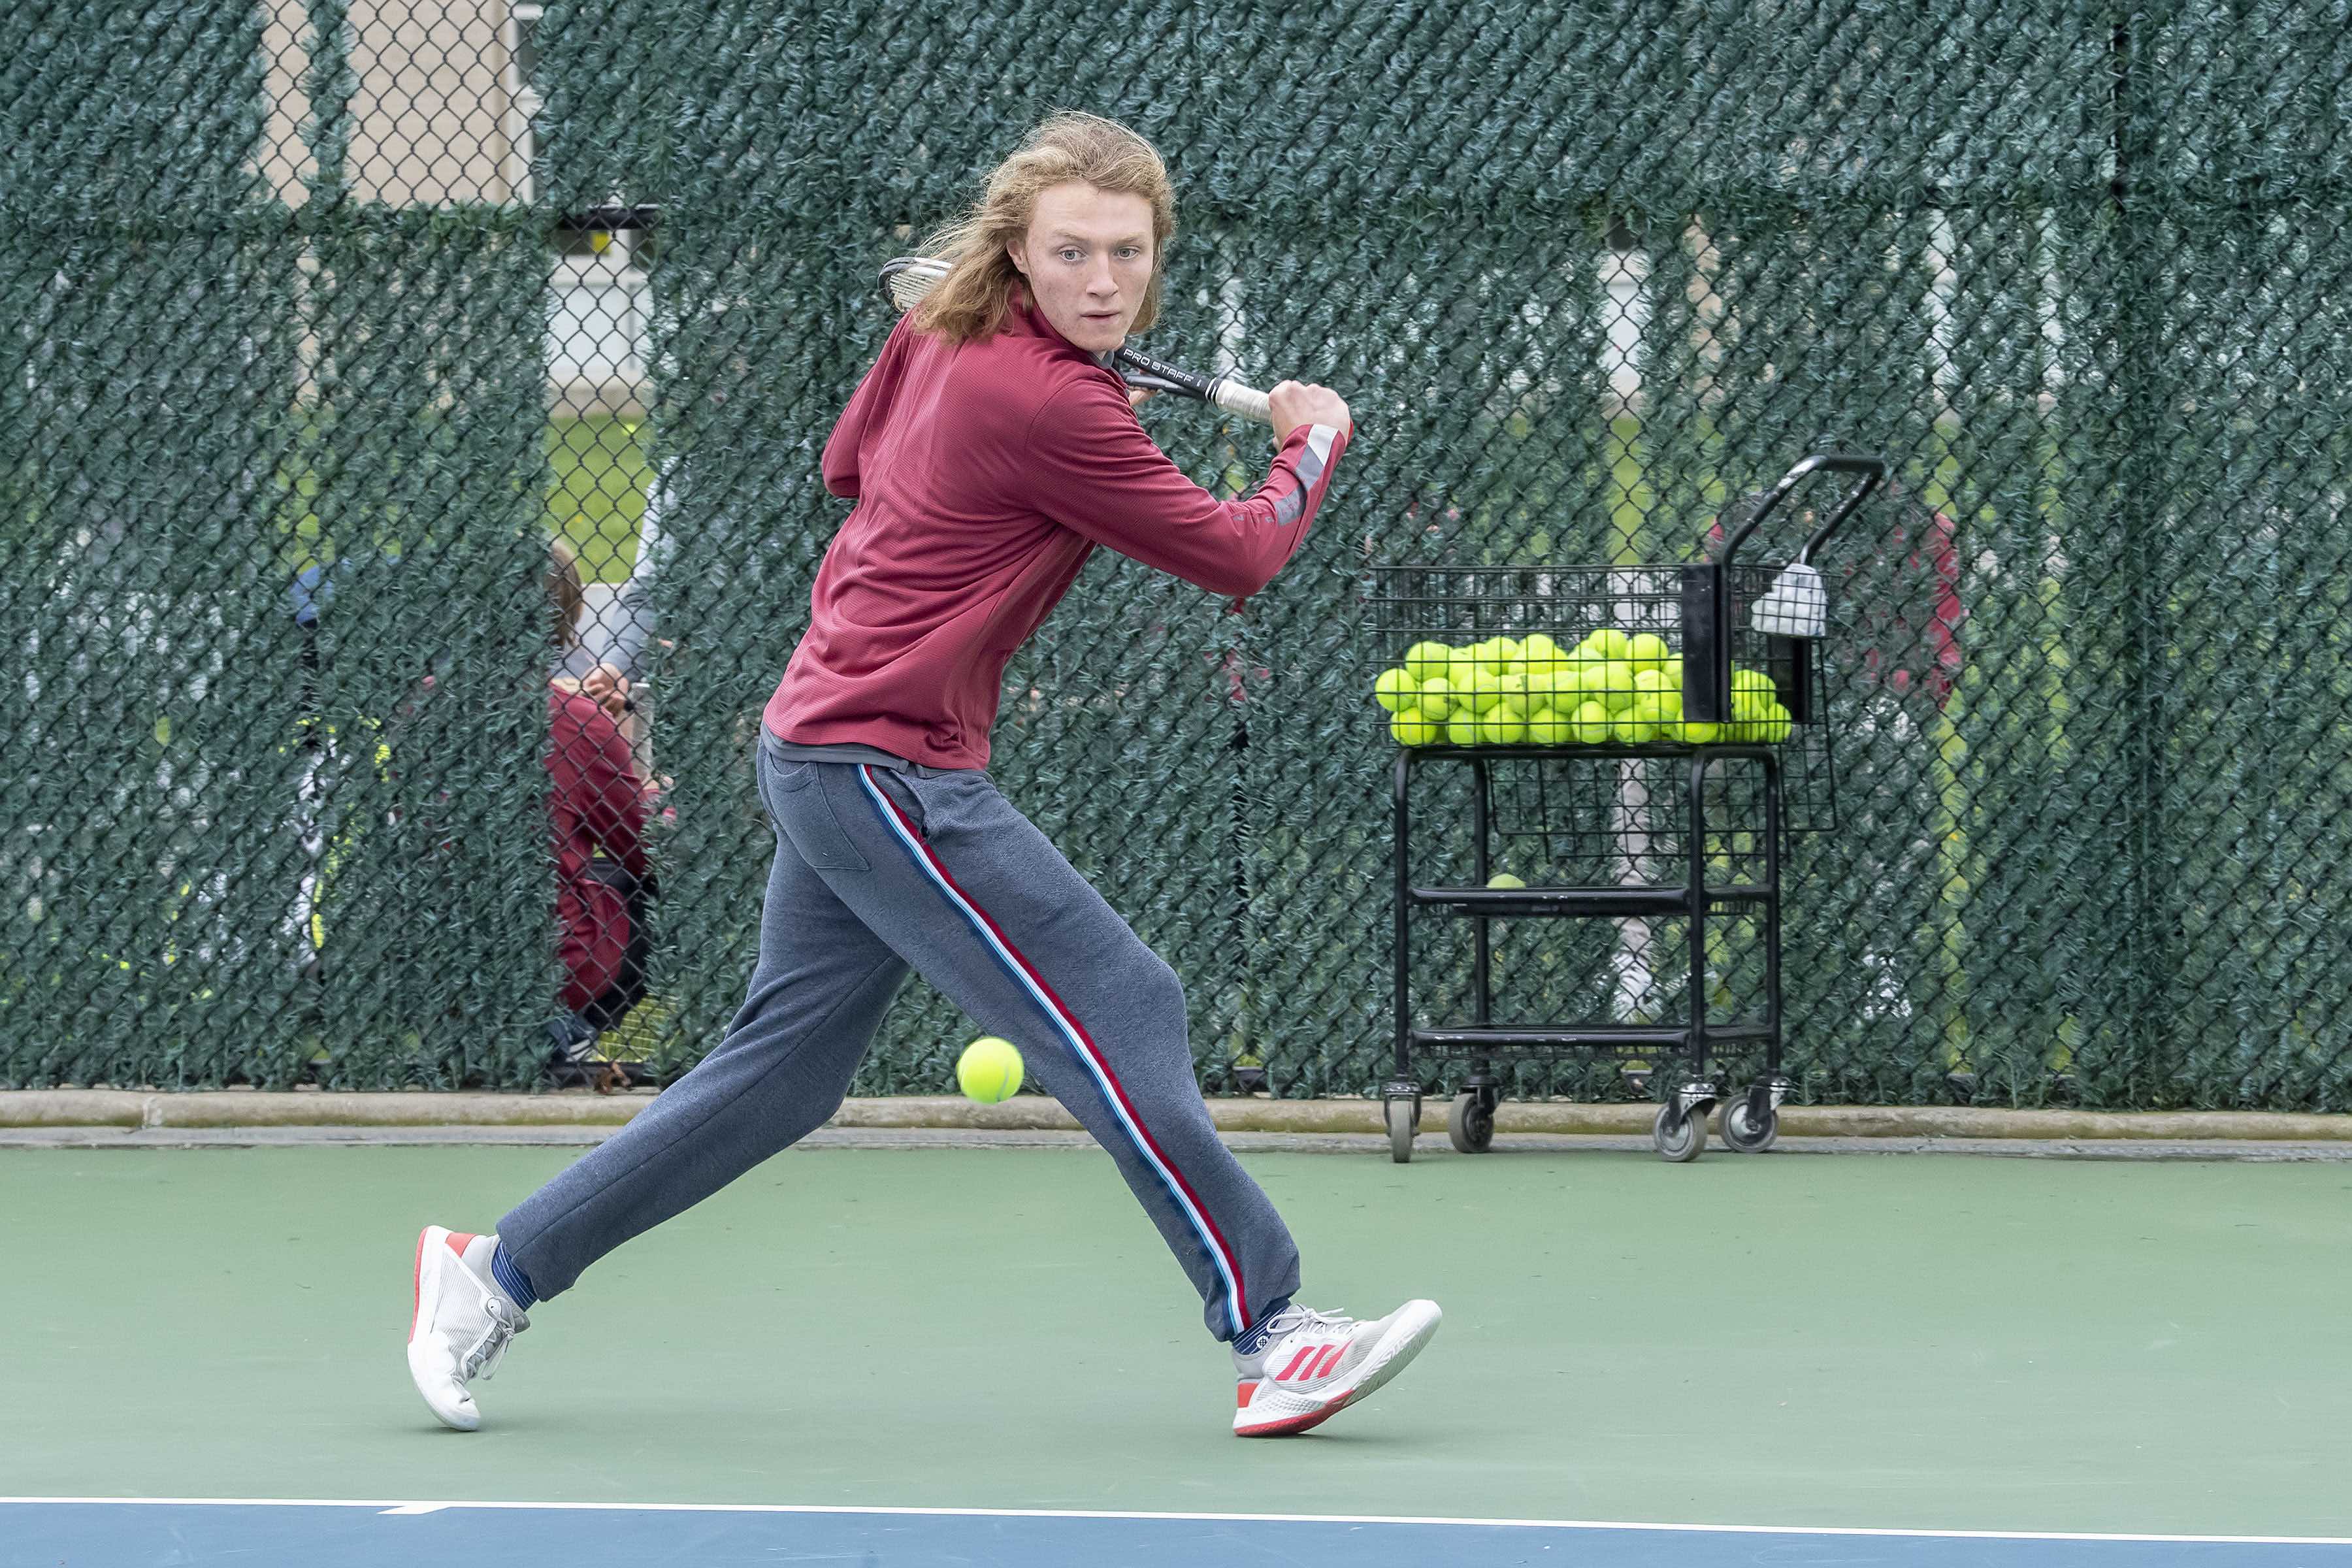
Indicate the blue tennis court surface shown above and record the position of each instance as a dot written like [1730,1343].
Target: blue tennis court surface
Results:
[89,1533]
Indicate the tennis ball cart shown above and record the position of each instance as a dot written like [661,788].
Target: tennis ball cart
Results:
[1647,738]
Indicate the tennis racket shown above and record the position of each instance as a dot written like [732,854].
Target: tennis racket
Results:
[906,278]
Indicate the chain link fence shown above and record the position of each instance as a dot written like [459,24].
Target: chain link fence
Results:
[318,320]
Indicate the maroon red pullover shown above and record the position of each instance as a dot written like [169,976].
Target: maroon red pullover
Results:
[984,476]
[594,801]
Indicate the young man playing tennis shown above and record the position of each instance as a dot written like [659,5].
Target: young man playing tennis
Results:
[989,452]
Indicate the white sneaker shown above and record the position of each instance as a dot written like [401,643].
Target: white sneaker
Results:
[462,1325]
[1312,1366]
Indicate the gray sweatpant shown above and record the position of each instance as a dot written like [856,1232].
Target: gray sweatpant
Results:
[878,871]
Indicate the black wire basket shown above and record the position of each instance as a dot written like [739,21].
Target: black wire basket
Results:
[1542,668]
[1549,669]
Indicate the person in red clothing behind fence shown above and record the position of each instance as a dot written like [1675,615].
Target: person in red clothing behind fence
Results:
[596,803]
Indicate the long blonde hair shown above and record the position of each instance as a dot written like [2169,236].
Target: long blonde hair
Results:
[565,596]
[970,302]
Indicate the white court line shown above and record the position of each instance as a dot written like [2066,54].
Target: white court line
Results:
[413,1506]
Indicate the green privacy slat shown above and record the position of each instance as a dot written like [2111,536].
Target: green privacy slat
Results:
[276,301]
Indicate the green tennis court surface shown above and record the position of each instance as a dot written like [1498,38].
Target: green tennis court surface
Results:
[2077,1349]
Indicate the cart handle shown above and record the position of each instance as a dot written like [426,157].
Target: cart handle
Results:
[1874,473]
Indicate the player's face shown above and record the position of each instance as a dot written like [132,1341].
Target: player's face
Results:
[1088,258]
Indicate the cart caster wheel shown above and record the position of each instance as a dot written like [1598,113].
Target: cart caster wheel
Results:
[1745,1132]
[1679,1139]
[1402,1115]
[1471,1127]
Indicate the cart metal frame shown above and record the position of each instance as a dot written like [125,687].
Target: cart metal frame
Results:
[1685,1055]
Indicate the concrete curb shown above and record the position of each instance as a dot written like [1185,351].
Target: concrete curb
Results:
[317,1108]
[1430,1146]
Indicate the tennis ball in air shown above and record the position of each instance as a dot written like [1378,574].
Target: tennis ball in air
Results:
[1462,729]
[1435,699]
[988,1071]
[1412,730]
[1589,722]
[1501,727]
[1647,650]
[1426,659]
[1548,727]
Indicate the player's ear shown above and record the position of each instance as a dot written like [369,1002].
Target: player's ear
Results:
[1018,254]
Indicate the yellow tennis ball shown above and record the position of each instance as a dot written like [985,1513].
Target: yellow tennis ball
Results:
[1616,687]
[1498,726]
[1412,730]
[1647,650]
[1396,690]
[1435,699]
[1425,660]
[1610,643]
[1462,729]
[1589,722]
[1548,728]
[988,1071]
[1505,879]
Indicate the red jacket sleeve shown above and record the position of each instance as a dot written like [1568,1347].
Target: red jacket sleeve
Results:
[873,396]
[1094,470]
[590,766]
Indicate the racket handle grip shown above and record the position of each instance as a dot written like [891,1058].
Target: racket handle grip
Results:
[1246,402]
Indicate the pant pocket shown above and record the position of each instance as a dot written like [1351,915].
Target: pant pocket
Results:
[902,793]
[806,817]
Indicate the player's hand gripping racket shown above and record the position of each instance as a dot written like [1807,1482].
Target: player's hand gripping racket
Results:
[906,278]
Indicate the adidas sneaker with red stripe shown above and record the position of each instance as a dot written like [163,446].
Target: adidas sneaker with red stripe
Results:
[462,1323]
[1311,1366]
